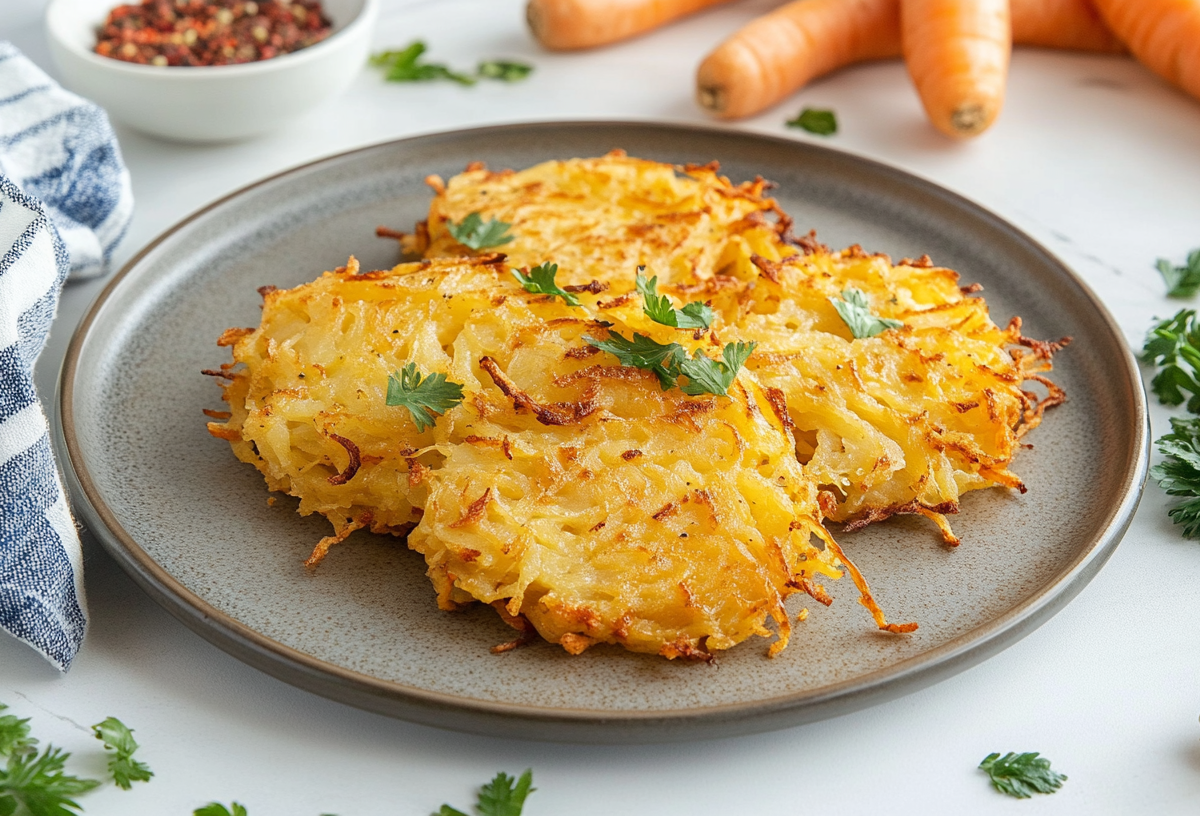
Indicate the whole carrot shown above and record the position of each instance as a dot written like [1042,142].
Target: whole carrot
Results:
[781,51]
[957,54]
[564,25]
[1163,34]
[776,54]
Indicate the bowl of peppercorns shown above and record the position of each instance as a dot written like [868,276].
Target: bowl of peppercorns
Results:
[209,70]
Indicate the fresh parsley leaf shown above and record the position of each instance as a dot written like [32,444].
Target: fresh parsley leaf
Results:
[504,70]
[669,362]
[14,736]
[446,810]
[1174,346]
[642,352]
[1021,775]
[540,281]
[35,785]
[1179,473]
[217,809]
[405,65]
[474,233]
[505,796]
[695,315]
[856,312]
[424,397]
[815,120]
[125,770]
[707,376]
[1182,281]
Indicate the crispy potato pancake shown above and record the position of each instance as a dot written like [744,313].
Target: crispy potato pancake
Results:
[903,422]
[574,494]
[584,500]
[599,219]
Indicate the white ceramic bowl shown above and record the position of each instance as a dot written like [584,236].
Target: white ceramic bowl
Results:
[208,103]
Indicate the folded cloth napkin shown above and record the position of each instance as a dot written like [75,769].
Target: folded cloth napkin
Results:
[60,148]
[65,201]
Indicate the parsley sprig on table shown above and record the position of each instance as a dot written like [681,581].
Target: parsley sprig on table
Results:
[540,281]
[1179,473]
[1021,775]
[669,362]
[503,796]
[815,120]
[1182,281]
[125,770]
[217,809]
[1174,347]
[405,65]
[37,784]
[504,70]
[856,312]
[423,396]
[475,233]
[695,315]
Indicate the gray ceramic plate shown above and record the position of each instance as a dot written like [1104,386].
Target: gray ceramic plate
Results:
[191,524]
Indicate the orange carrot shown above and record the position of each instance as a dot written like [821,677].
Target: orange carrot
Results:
[957,54]
[1071,24]
[1163,34]
[781,51]
[778,53]
[563,25]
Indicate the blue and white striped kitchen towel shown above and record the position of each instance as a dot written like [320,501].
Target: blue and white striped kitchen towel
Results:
[65,201]
[60,148]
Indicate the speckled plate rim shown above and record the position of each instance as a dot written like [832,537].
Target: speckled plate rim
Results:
[589,725]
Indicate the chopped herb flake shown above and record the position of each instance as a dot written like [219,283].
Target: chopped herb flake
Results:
[815,120]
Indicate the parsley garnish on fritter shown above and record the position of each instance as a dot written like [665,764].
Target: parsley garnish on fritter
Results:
[473,232]
[856,312]
[644,353]
[669,361]
[125,770]
[540,281]
[1021,775]
[695,315]
[503,796]
[708,376]
[422,396]
[1182,281]
[404,65]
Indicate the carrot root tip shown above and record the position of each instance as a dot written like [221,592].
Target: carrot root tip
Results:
[969,119]
[711,97]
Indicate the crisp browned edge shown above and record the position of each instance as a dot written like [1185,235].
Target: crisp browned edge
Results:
[626,727]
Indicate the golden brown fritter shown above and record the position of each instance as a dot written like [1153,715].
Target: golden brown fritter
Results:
[574,494]
[906,421]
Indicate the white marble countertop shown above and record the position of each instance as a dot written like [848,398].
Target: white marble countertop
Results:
[1093,156]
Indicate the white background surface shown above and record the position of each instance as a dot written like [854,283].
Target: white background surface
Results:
[1093,156]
